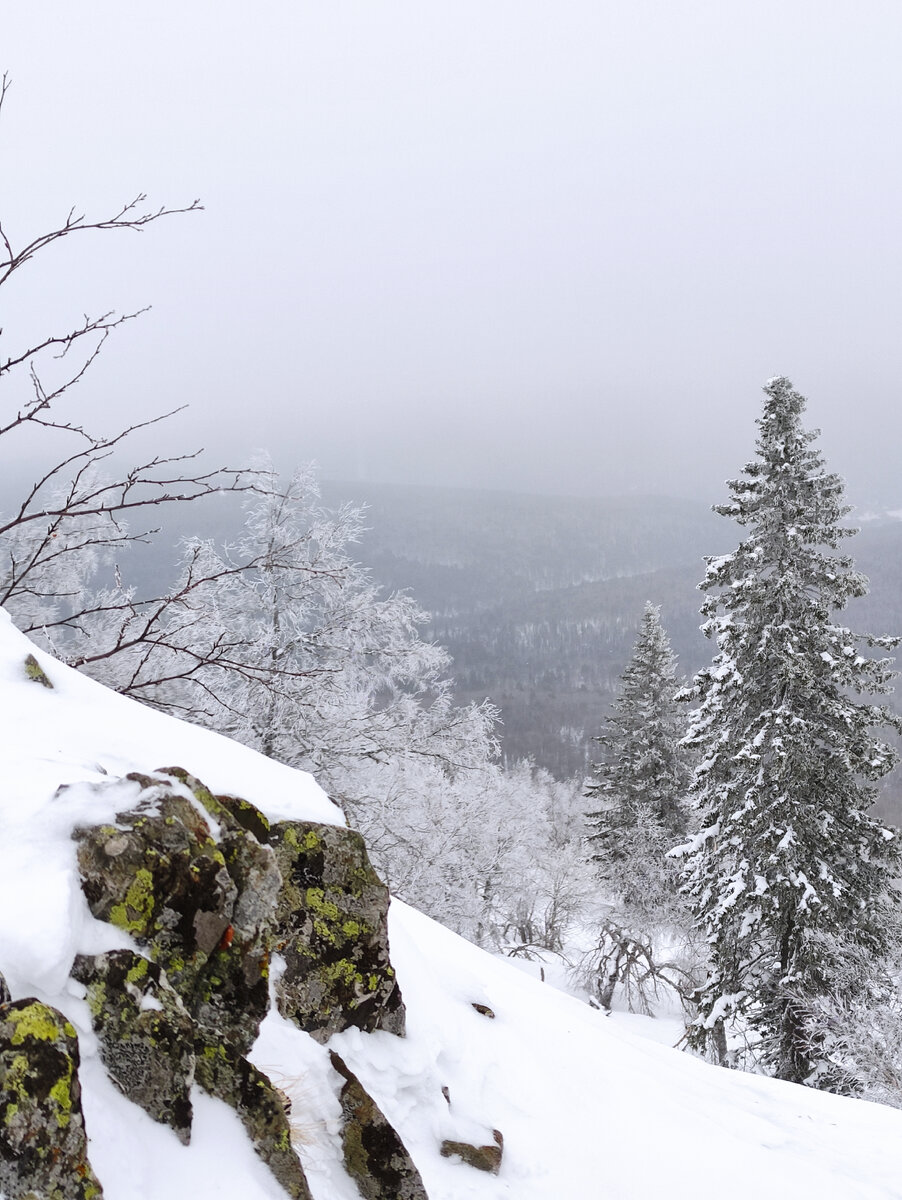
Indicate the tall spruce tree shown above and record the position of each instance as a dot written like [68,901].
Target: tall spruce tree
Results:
[642,781]
[788,867]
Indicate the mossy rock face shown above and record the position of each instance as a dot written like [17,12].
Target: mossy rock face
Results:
[203,907]
[374,1155]
[146,1036]
[333,933]
[43,1146]
[261,1108]
[483,1158]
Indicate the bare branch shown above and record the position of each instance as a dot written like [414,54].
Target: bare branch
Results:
[130,216]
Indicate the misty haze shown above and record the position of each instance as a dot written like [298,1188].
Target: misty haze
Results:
[485,417]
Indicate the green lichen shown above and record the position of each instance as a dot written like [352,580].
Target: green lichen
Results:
[61,1093]
[355,1155]
[211,850]
[324,933]
[343,971]
[32,1022]
[96,998]
[35,671]
[317,903]
[135,913]
[311,840]
[15,1075]
[138,971]
[290,837]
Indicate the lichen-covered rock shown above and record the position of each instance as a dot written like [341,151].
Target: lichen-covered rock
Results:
[333,934]
[36,672]
[146,1035]
[184,872]
[261,1107]
[4,992]
[43,1147]
[483,1158]
[204,908]
[374,1156]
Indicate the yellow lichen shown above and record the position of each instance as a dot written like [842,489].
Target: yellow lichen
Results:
[34,1021]
[134,914]
[138,971]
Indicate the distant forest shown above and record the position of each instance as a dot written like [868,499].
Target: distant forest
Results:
[538,598]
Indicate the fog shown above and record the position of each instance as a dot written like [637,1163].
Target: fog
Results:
[545,246]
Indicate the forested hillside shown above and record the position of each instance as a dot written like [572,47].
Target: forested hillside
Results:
[538,598]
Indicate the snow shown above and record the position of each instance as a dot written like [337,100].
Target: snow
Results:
[588,1106]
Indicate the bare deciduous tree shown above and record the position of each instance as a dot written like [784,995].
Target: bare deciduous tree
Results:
[73,512]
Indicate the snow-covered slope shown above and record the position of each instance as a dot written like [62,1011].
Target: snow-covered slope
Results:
[586,1108]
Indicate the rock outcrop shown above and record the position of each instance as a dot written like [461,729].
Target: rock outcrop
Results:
[146,1035]
[333,933]
[43,1145]
[203,906]
[374,1155]
[209,890]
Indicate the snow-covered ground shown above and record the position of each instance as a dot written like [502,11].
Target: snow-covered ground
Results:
[588,1107]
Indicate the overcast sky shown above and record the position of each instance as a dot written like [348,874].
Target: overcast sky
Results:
[555,246]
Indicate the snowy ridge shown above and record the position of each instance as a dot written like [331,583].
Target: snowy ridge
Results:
[587,1108]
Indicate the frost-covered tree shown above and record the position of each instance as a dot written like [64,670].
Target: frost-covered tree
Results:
[455,844]
[788,867]
[282,641]
[640,785]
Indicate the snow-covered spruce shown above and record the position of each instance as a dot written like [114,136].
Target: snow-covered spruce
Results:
[788,866]
[640,784]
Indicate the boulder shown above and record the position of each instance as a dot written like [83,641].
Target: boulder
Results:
[483,1158]
[374,1156]
[146,1035]
[43,1146]
[203,908]
[332,930]
[185,873]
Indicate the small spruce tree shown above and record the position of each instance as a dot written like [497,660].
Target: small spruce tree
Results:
[641,783]
[788,867]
